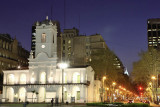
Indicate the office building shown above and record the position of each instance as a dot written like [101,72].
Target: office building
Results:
[153,32]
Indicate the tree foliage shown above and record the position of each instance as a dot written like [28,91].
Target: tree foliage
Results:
[146,66]
[103,61]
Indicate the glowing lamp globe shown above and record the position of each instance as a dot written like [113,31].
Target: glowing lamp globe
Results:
[63,65]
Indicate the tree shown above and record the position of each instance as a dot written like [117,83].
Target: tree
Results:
[145,67]
[103,63]
[37,94]
[33,94]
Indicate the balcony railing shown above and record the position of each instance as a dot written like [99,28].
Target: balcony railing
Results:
[50,83]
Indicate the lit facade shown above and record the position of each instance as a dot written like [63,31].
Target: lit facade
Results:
[43,80]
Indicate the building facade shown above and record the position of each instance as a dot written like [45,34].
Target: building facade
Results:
[153,32]
[12,53]
[77,49]
[44,80]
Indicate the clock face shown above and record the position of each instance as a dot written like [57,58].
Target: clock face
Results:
[43,46]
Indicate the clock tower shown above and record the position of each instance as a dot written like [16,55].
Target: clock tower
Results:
[46,38]
[43,65]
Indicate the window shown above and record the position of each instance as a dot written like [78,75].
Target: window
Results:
[154,33]
[87,39]
[43,78]
[154,26]
[78,78]
[63,54]
[78,95]
[63,47]
[69,41]
[158,33]
[4,44]
[158,26]
[63,41]
[23,79]
[65,95]
[65,78]
[10,79]
[43,38]
[149,26]
[149,33]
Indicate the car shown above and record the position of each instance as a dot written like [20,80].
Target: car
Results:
[130,101]
[146,101]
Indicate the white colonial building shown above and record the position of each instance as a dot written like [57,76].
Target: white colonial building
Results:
[43,80]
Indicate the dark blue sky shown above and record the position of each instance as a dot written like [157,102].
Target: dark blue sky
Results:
[122,23]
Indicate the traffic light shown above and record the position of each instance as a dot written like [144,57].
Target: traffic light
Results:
[140,88]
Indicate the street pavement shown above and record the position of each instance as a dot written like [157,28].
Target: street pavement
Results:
[154,105]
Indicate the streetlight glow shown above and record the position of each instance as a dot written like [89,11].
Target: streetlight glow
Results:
[63,65]
[19,67]
[153,77]
[114,83]
[104,77]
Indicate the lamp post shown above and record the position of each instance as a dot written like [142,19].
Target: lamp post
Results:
[62,66]
[113,84]
[107,93]
[103,88]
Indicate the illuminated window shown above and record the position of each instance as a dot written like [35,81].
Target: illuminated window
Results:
[78,78]
[43,78]
[43,38]
[32,80]
[10,79]
[78,95]
[23,79]
[69,41]
[65,95]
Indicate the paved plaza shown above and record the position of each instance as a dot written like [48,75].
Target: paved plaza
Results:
[40,105]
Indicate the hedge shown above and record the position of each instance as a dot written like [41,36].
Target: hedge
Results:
[119,104]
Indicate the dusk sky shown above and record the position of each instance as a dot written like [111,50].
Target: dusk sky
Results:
[122,23]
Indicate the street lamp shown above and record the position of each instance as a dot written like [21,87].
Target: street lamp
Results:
[153,78]
[103,88]
[62,66]
[19,67]
[113,84]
